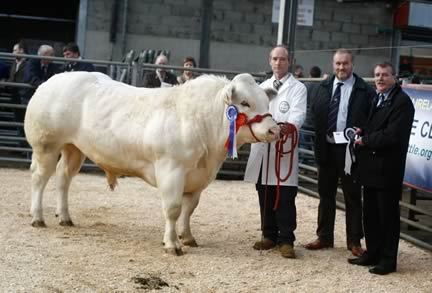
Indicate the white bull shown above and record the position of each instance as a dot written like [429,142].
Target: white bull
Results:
[173,138]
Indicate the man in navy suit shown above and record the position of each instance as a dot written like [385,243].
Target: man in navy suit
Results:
[71,50]
[382,151]
[38,71]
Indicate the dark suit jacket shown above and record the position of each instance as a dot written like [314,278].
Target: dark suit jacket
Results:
[35,76]
[358,109]
[17,76]
[381,162]
[151,80]
[312,91]
[78,66]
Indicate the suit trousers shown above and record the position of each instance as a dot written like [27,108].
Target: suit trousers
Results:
[382,224]
[328,178]
[278,225]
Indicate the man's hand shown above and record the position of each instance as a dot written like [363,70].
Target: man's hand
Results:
[358,131]
[359,141]
[287,128]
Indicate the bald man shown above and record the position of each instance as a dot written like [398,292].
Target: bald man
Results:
[160,77]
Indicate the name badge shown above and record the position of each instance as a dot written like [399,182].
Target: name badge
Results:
[339,137]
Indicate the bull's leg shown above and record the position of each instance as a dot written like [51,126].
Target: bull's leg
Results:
[189,203]
[42,167]
[69,165]
[170,181]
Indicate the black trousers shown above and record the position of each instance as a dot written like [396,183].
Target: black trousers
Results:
[278,225]
[382,224]
[328,178]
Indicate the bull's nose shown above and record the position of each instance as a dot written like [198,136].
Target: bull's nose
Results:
[274,132]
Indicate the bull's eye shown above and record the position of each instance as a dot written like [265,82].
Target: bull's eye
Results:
[245,104]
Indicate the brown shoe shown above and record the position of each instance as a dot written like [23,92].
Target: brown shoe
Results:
[287,250]
[265,244]
[357,250]
[319,244]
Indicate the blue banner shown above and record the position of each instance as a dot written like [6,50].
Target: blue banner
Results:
[418,169]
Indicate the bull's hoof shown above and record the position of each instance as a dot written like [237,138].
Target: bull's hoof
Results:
[174,251]
[38,224]
[68,223]
[191,243]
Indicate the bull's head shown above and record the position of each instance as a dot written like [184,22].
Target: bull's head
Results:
[244,93]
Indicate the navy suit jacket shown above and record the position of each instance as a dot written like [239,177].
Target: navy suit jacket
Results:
[35,75]
[79,66]
[381,161]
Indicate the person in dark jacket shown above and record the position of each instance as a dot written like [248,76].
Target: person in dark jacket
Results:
[17,70]
[38,71]
[17,75]
[341,101]
[382,151]
[71,50]
[160,77]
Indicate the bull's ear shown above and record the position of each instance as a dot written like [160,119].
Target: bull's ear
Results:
[271,93]
[228,93]
[244,77]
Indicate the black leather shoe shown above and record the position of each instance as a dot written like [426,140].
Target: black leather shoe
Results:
[381,270]
[363,260]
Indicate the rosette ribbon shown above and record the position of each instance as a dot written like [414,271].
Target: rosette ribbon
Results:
[350,135]
[236,120]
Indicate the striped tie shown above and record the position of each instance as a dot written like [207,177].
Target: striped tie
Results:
[277,84]
[333,110]
[381,99]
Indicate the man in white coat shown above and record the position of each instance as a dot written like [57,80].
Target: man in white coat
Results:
[278,214]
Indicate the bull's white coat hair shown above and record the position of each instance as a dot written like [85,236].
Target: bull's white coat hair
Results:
[173,138]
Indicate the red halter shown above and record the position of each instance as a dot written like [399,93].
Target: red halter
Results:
[242,119]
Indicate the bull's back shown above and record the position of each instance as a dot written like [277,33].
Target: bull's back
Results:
[55,110]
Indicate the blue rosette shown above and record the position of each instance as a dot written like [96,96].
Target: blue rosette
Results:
[231,113]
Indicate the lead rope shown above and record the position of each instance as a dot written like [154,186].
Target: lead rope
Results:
[265,198]
[292,130]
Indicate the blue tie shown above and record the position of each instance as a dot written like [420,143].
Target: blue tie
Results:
[333,110]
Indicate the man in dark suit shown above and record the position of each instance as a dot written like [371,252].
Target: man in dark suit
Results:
[38,71]
[16,74]
[160,77]
[71,50]
[382,151]
[341,101]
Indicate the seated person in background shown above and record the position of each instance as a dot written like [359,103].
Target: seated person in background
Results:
[4,71]
[298,72]
[312,91]
[38,71]
[71,50]
[16,73]
[187,75]
[160,77]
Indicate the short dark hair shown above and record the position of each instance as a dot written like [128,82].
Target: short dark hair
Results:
[23,46]
[386,64]
[71,47]
[315,71]
[189,59]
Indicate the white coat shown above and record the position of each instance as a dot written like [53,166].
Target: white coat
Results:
[288,106]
